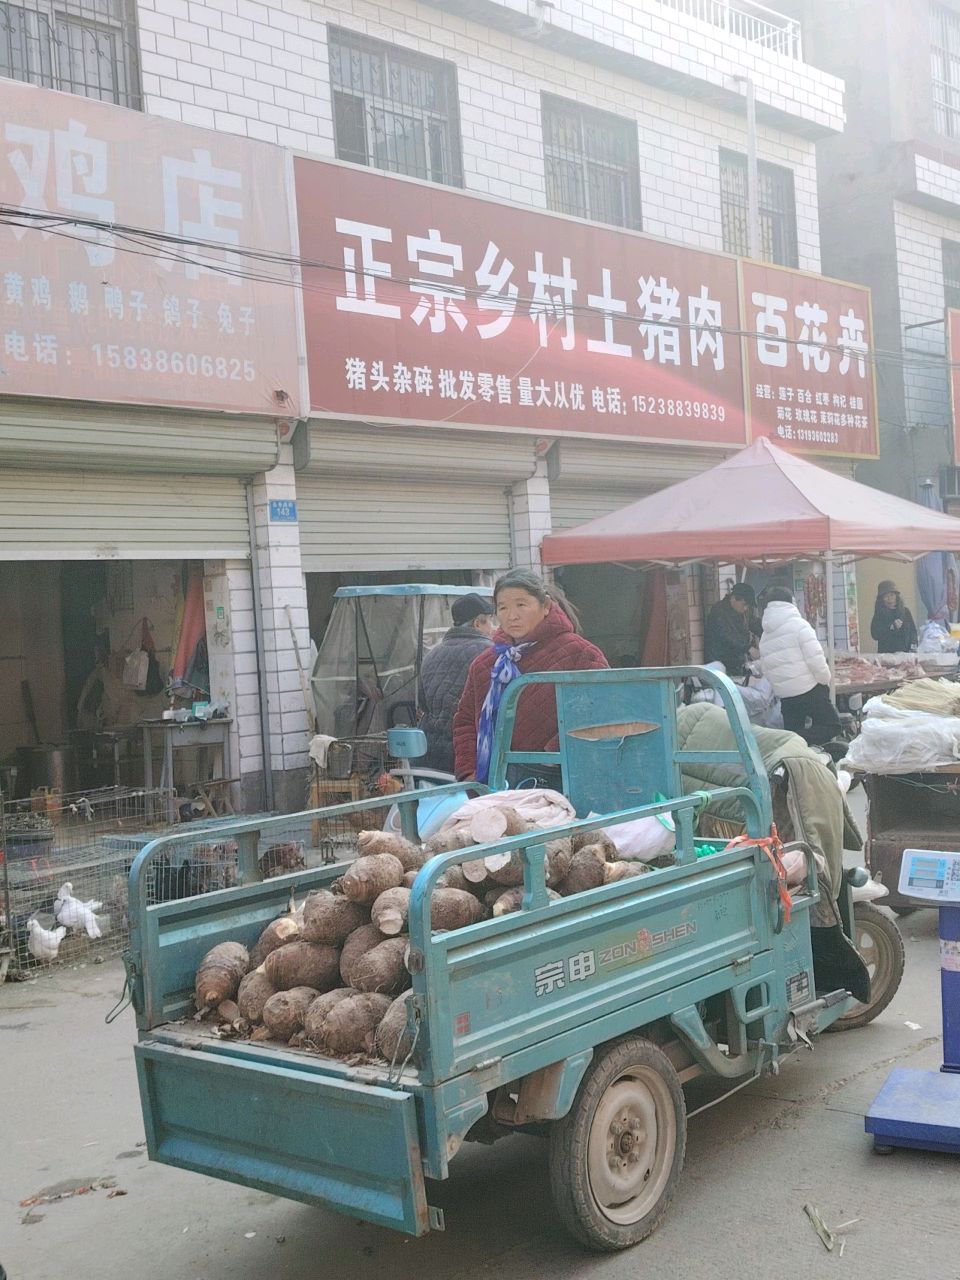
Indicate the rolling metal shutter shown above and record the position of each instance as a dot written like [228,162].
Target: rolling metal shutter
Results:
[376,499]
[117,438]
[596,479]
[53,515]
[349,522]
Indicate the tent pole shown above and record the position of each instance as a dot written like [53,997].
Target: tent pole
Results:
[831,621]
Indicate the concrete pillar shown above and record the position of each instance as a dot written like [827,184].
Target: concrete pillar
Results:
[530,517]
[283,598]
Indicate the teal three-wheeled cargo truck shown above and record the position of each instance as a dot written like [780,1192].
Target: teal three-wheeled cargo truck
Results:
[580,1019]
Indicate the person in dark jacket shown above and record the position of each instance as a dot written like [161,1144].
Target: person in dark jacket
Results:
[538,632]
[444,673]
[727,635]
[893,626]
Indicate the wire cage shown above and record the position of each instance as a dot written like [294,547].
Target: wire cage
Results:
[357,769]
[84,842]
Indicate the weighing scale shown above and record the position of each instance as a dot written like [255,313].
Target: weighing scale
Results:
[922,1108]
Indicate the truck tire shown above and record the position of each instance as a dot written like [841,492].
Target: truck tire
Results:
[881,948]
[617,1156]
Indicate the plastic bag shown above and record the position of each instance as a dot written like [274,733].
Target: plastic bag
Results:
[643,839]
[892,740]
[136,668]
[935,639]
[537,805]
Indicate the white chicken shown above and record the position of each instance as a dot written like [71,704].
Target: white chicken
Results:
[44,943]
[76,914]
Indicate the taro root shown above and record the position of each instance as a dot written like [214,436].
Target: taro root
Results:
[219,974]
[360,941]
[331,918]
[559,857]
[610,851]
[276,934]
[382,968]
[477,876]
[351,1025]
[255,990]
[453,878]
[453,909]
[586,872]
[506,869]
[393,1041]
[408,879]
[228,1011]
[614,871]
[318,1011]
[411,856]
[448,841]
[303,964]
[496,823]
[512,900]
[389,912]
[283,1014]
[369,876]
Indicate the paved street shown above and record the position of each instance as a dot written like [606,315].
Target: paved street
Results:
[71,1113]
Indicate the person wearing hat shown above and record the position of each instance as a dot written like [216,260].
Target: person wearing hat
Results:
[727,634]
[893,626]
[444,673]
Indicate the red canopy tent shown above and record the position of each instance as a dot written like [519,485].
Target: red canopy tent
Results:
[763,504]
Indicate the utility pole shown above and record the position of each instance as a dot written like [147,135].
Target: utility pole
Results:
[753,177]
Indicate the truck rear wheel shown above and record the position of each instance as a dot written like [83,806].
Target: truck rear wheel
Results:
[881,947]
[617,1156]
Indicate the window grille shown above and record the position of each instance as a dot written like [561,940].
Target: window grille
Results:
[950,250]
[945,69]
[592,163]
[778,210]
[395,110]
[88,47]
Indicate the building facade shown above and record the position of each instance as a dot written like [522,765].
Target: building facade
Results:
[630,116]
[890,208]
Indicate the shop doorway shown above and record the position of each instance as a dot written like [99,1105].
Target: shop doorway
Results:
[74,684]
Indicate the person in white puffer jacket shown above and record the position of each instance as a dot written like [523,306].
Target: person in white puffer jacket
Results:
[792,659]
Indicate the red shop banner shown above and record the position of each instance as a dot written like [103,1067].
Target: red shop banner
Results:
[810,373]
[126,272]
[425,305]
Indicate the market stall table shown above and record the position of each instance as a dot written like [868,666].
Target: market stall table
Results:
[178,735]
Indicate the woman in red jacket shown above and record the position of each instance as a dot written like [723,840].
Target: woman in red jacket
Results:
[536,634]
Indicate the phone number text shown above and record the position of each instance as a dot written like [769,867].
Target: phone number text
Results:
[149,360]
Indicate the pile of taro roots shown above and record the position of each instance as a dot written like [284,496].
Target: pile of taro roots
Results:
[332,974]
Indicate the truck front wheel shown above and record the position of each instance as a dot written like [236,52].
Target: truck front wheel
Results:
[617,1156]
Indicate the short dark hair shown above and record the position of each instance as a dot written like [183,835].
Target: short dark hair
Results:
[780,594]
[467,608]
[743,591]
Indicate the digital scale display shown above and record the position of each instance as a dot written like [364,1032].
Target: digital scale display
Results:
[927,873]
[931,875]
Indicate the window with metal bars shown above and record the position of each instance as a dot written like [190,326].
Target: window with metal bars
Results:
[778,209]
[950,257]
[945,69]
[395,110]
[88,47]
[592,163]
